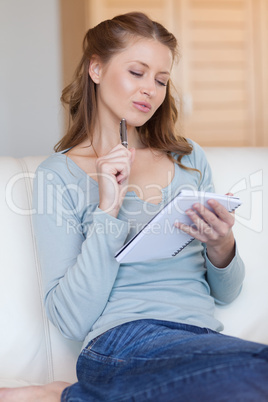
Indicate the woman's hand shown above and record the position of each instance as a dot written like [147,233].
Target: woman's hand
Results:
[113,172]
[214,229]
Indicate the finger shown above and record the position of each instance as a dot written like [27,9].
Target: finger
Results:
[121,160]
[208,216]
[201,224]
[105,161]
[231,195]
[213,225]
[220,220]
[113,168]
[221,212]
[115,153]
[213,218]
[133,153]
[193,232]
[121,148]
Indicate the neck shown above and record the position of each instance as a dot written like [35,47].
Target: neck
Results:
[106,136]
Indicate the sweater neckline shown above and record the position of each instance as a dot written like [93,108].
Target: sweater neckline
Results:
[165,190]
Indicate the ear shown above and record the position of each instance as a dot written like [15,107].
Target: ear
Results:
[94,70]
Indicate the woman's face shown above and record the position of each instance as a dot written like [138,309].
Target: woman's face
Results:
[132,85]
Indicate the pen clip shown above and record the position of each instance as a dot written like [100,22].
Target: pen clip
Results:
[123,132]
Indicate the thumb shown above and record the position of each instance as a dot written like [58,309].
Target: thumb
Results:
[133,152]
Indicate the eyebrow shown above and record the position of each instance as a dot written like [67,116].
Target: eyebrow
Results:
[146,65]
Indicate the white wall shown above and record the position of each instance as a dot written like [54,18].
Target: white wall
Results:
[31,117]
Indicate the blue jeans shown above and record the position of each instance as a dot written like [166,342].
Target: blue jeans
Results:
[152,360]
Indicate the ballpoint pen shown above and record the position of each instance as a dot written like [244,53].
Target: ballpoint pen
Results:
[123,132]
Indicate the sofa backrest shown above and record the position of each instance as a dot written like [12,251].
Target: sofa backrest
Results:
[244,171]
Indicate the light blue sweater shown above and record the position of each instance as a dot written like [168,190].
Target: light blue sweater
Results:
[86,290]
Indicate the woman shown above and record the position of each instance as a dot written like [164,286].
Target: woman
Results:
[148,328]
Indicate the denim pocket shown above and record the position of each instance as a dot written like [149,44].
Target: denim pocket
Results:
[98,349]
[92,342]
[97,367]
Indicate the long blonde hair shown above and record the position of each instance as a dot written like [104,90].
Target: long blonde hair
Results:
[105,40]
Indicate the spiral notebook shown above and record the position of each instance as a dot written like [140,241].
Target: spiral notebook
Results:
[160,238]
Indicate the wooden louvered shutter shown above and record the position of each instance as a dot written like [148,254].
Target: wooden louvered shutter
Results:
[159,10]
[217,53]
[260,40]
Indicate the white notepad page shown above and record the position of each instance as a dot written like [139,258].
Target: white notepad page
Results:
[160,238]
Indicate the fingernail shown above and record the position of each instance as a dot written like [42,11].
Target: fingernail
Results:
[211,202]
[189,212]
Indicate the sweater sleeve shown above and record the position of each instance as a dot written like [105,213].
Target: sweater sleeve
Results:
[225,283]
[78,270]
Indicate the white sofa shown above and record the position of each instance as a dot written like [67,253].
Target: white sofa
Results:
[32,351]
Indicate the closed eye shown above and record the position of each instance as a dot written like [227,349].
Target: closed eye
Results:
[161,83]
[135,73]
[138,75]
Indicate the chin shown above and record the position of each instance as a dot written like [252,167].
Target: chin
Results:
[138,122]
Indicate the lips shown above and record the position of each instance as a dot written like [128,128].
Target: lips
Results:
[142,106]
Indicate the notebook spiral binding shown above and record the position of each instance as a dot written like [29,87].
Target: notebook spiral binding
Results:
[182,247]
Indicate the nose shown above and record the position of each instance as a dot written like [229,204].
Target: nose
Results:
[149,88]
